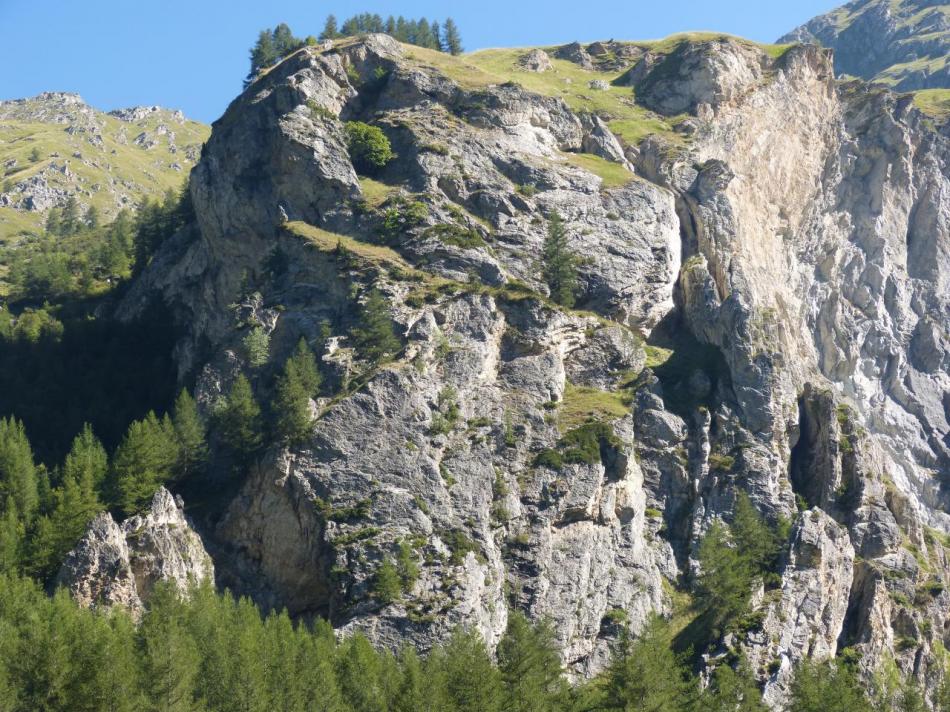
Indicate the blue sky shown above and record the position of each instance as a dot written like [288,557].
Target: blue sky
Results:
[192,54]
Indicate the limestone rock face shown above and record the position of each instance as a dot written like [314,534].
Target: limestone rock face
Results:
[808,618]
[762,308]
[119,565]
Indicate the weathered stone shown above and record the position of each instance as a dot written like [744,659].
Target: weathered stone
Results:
[119,565]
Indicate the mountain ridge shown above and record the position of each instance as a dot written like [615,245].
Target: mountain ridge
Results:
[902,44]
[110,160]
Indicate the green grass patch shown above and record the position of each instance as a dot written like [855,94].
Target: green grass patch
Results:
[656,356]
[374,192]
[612,174]
[567,81]
[139,172]
[330,241]
[933,102]
[583,405]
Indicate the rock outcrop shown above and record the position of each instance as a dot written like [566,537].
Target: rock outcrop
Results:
[120,564]
[763,309]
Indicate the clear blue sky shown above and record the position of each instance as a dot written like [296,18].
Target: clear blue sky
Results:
[192,54]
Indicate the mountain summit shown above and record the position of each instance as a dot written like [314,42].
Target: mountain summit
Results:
[901,43]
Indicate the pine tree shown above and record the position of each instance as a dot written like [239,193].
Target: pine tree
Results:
[826,687]
[559,264]
[413,691]
[406,566]
[472,683]
[263,54]
[530,666]
[648,675]
[54,221]
[239,422]
[453,42]
[330,30]
[74,504]
[375,338]
[257,347]
[190,433]
[358,670]
[386,586]
[437,37]
[86,462]
[284,41]
[144,460]
[725,581]
[11,536]
[732,690]
[69,222]
[169,654]
[91,218]
[760,543]
[424,34]
[18,480]
[296,385]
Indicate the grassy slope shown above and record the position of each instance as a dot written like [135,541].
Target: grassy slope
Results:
[935,102]
[569,82]
[119,169]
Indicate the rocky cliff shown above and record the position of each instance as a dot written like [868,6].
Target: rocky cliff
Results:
[120,564]
[54,146]
[903,44]
[763,309]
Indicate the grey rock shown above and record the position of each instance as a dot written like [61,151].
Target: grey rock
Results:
[119,565]
[537,60]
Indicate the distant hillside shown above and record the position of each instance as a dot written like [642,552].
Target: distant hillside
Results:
[901,43]
[54,145]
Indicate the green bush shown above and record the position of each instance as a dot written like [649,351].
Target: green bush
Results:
[582,445]
[369,148]
[456,235]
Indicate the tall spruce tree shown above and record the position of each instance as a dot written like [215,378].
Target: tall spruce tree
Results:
[530,666]
[69,221]
[647,675]
[823,686]
[330,29]
[732,690]
[169,654]
[472,682]
[374,337]
[559,263]
[296,385]
[239,421]
[144,460]
[18,478]
[191,435]
[452,39]
[86,462]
